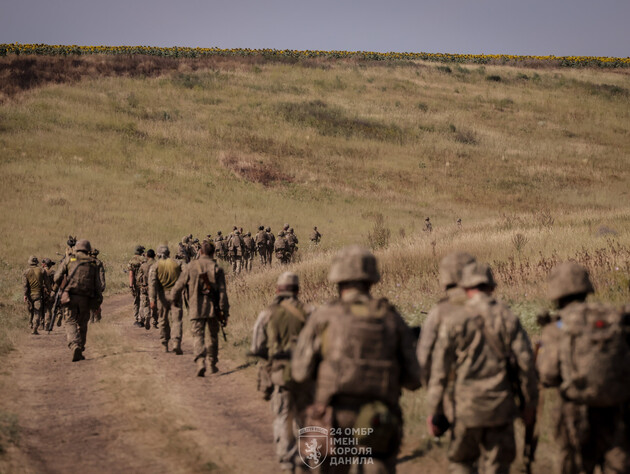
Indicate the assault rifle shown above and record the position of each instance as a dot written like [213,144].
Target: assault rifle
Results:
[54,310]
[215,302]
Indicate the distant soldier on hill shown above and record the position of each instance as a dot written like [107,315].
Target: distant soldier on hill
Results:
[134,285]
[315,236]
[427,225]
[459,222]
[33,285]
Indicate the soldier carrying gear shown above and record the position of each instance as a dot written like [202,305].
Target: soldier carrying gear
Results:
[427,225]
[292,240]
[134,283]
[271,240]
[146,314]
[282,249]
[49,290]
[34,286]
[249,250]
[260,239]
[236,249]
[162,277]
[487,351]
[584,352]
[359,352]
[449,274]
[275,334]
[78,280]
[95,314]
[315,236]
[209,305]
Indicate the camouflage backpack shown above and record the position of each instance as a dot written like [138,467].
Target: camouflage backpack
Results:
[82,277]
[594,355]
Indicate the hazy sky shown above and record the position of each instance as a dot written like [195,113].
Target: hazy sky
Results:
[540,27]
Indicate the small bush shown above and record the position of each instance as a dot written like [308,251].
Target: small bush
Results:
[378,237]
[444,69]
[493,78]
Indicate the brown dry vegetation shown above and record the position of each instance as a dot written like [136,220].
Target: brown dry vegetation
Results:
[535,163]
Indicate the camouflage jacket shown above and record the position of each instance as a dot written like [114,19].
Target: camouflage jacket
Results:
[202,300]
[134,265]
[455,298]
[162,277]
[143,275]
[33,283]
[468,344]
[261,239]
[356,347]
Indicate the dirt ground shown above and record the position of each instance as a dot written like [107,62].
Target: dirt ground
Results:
[130,407]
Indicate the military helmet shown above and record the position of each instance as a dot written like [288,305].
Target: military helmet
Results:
[139,249]
[237,232]
[451,266]
[32,260]
[476,274]
[150,253]
[83,246]
[426,219]
[219,233]
[261,227]
[46,260]
[291,230]
[71,241]
[354,263]
[249,234]
[234,228]
[286,227]
[163,251]
[315,228]
[268,229]
[288,279]
[568,278]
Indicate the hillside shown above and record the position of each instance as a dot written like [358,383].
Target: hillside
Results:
[536,163]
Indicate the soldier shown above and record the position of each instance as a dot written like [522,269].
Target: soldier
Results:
[95,314]
[220,248]
[209,305]
[134,284]
[49,292]
[260,239]
[427,225]
[249,250]
[449,274]
[236,250]
[584,352]
[281,247]
[292,240]
[315,236]
[487,351]
[147,315]
[162,277]
[360,354]
[275,334]
[271,241]
[34,292]
[79,282]
[459,223]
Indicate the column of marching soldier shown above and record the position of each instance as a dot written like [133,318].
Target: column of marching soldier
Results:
[339,369]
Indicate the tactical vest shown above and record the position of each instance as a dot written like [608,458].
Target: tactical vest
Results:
[83,276]
[594,355]
[360,353]
[167,272]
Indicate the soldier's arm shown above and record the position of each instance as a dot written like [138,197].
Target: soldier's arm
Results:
[153,282]
[410,369]
[443,358]
[26,287]
[101,276]
[180,284]
[428,337]
[307,352]
[259,346]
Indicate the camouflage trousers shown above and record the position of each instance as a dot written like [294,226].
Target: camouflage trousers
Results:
[591,437]
[36,313]
[492,449]
[136,304]
[48,305]
[237,264]
[285,427]
[269,255]
[166,313]
[76,315]
[198,332]
[145,309]
[262,253]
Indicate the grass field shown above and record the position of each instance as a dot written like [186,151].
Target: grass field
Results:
[536,163]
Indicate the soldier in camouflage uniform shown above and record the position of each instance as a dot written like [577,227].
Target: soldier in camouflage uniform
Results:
[236,249]
[260,239]
[162,277]
[275,334]
[147,315]
[209,306]
[360,354]
[281,248]
[134,284]
[591,432]
[271,240]
[49,293]
[489,354]
[33,284]
[81,293]
[427,225]
[249,250]
[315,236]
[95,314]
[292,240]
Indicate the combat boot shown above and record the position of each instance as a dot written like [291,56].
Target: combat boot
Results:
[77,354]
[147,324]
[201,367]
[165,344]
[213,368]
[178,348]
